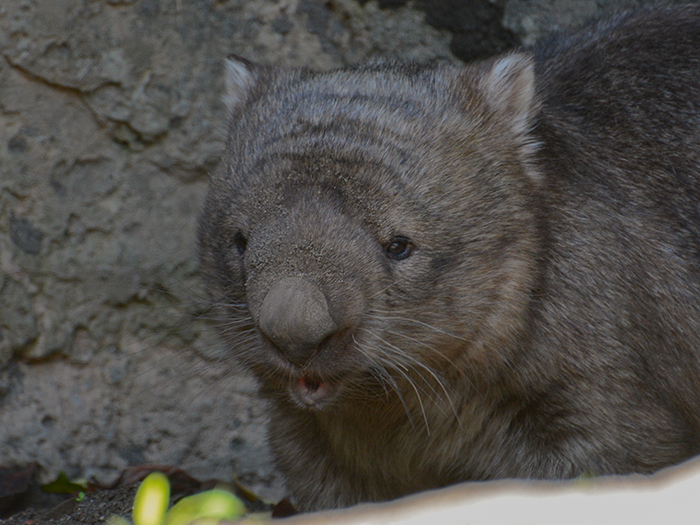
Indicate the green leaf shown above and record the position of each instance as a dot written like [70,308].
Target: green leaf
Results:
[63,485]
[216,504]
[118,520]
[152,499]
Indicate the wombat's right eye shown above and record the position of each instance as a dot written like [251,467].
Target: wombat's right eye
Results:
[399,248]
[240,243]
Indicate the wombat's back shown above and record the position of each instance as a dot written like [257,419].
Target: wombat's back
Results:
[619,131]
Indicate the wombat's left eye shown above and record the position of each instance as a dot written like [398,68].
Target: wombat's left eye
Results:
[399,248]
[240,242]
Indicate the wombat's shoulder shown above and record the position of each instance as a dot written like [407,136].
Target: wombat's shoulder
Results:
[634,59]
[620,100]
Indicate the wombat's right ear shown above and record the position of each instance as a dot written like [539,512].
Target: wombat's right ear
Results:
[508,84]
[241,78]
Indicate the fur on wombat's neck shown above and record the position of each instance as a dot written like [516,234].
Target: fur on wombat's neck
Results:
[451,273]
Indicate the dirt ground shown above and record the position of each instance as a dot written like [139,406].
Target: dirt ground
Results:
[24,502]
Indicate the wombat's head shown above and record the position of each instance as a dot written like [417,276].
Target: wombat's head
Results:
[371,229]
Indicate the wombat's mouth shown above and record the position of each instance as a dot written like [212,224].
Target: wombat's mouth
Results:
[311,391]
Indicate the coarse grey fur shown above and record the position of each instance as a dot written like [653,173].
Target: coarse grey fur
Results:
[448,273]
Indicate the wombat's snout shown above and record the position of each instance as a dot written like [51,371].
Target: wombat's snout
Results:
[295,316]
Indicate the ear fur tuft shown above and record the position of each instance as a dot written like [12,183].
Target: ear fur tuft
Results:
[240,79]
[509,88]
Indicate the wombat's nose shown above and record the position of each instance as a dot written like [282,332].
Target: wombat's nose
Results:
[295,316]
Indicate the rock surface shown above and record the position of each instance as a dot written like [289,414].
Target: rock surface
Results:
[110,120]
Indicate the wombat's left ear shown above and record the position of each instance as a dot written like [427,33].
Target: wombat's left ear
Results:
[508,85]
[241,77]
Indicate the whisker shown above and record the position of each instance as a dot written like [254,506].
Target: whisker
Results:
[418,365]
[380,292]
[391,317]
[397,356]
[439,380]
[387,376]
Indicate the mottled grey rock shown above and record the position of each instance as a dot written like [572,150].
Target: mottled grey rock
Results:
[476,25]
[532,20]
[110,120]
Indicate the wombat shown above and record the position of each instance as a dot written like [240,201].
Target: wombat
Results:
[443,273]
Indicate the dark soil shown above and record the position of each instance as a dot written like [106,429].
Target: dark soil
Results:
[24,502]
[94,508]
